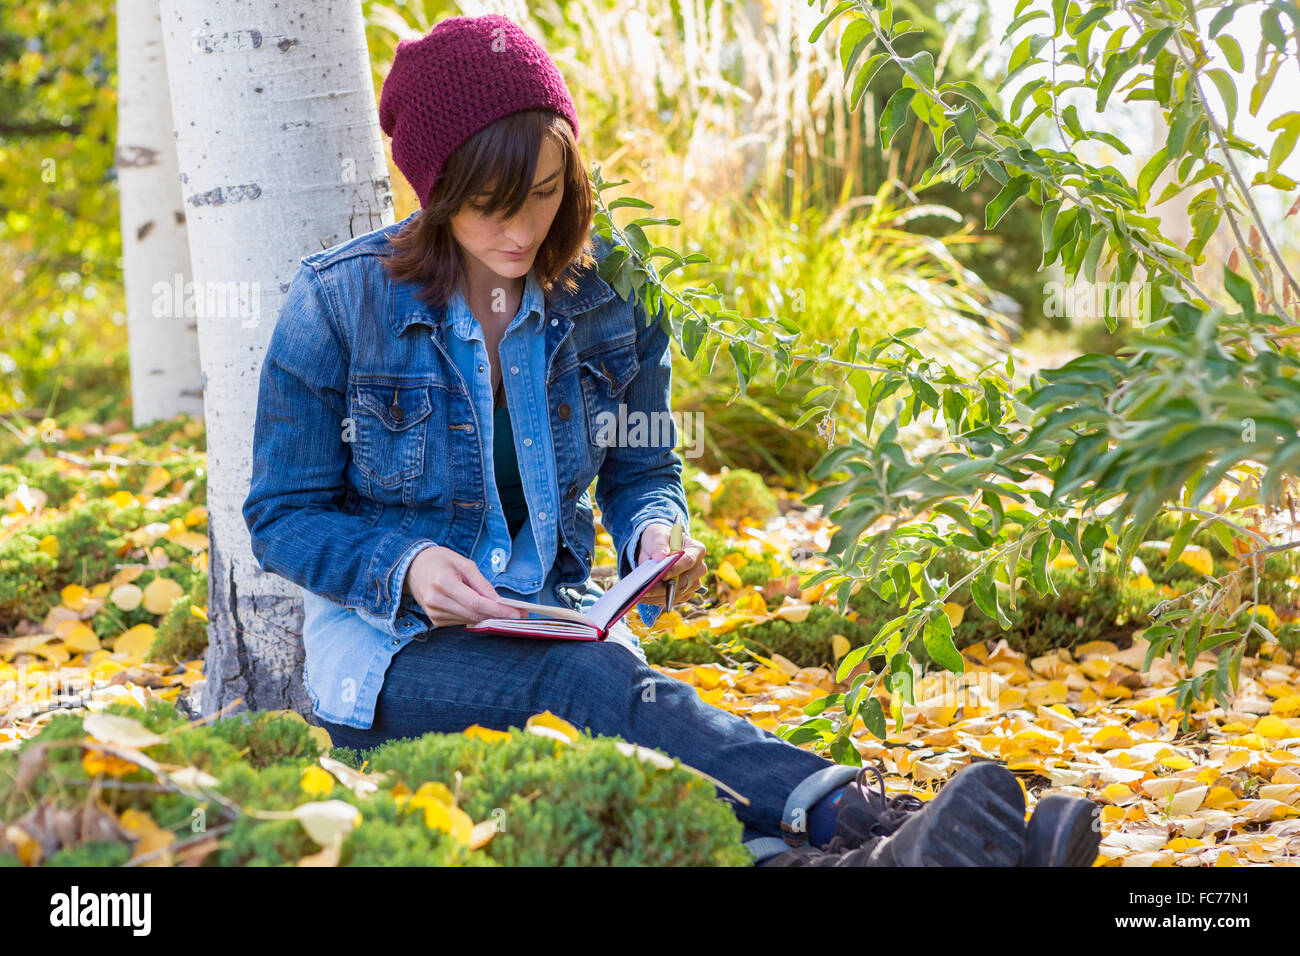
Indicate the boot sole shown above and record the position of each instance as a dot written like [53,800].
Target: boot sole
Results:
[1061,832]
[983,823]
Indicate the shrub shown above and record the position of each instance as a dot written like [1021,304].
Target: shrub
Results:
[1107,609]
[577,803]
[742,494]
[182,636]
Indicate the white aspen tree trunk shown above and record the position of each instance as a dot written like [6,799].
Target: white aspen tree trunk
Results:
[163,339]
[281,155]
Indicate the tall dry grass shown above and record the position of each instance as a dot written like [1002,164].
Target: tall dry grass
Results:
[723,116]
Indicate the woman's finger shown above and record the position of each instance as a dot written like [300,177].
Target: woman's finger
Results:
[448,611]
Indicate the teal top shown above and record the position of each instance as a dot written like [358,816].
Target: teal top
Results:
[509,485]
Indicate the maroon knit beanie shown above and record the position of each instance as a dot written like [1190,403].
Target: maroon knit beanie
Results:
[462,76]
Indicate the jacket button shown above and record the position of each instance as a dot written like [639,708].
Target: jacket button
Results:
[396,411]
[571,492]
[564,411]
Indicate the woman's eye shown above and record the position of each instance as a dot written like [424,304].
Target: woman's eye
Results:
[482,209]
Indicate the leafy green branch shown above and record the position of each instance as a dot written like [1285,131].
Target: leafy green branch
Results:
[1088,455]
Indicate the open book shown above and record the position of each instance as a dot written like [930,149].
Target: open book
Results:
[567,624]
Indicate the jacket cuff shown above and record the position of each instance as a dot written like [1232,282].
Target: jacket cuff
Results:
[402,620]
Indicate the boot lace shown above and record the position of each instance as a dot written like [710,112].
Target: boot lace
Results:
[891,812]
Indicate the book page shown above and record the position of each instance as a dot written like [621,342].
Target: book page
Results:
[547,610]
[526,626]
[620,597]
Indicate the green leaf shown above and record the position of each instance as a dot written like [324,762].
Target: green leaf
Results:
[851,660]
[873,716]
[826,21]
[857,36]
[921,67]
[1178,543]
[1024,53]
[1018,101]
[609,266]
[631,201]
[1271,26]
[1117,64]
[1220,19]
[1231,52]
[1095,246]
[967,126]
[1050,209]
[1289,124]
[1005,199]
[1240,290]
[1038,564]
[843,751]
[939,644]
[1149,172]
[985,594]
[973,94]
[893,115]
[865,75]
[1263,85]
[1227,92]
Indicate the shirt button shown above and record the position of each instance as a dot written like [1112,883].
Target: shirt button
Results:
[396,642]
[541,515]
[555,321]
[498,556]
[480,368]
[514,370]
[528,443]
[564,411]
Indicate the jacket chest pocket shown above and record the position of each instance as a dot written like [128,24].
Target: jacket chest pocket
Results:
[605,377]
[392,427]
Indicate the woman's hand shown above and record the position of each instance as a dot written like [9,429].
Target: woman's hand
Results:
[451,589]
[689,569]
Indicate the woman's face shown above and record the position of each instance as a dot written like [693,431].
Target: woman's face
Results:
[488,241]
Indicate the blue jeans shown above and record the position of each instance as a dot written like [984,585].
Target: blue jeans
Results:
[452,678]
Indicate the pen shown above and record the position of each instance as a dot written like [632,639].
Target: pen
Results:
[674,544]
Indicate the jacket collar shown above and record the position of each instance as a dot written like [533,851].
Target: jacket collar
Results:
[461,319]
[591,291]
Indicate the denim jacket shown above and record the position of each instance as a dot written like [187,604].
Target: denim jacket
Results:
[369,443]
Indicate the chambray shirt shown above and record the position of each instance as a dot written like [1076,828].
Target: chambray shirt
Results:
[519,565]
[522,567]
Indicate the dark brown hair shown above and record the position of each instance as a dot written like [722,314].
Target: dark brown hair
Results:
[503,154]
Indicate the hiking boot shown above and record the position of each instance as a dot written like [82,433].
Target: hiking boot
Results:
[1063,831]
[978,819]
[863,813]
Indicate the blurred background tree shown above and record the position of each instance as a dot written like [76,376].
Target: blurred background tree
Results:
[60,269]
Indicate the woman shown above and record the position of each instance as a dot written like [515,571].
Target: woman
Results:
[426,429]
